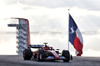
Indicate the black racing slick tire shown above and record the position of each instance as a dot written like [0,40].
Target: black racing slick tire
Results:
[41,55]
[66,54]
[27,54]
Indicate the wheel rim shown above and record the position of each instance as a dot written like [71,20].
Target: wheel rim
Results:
[40,56]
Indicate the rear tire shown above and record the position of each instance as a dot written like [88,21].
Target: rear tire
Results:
[27,54]
[66,54]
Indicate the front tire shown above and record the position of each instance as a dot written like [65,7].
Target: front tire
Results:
[66,54]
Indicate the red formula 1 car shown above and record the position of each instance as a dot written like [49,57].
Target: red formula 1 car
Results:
[45,52]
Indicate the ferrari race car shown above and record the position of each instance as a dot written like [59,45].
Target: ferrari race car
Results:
[45,52]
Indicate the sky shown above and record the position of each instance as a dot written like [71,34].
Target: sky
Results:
[48,18]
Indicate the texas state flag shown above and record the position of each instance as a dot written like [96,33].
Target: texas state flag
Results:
[75,37]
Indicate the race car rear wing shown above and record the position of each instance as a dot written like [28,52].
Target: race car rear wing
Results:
[36,46]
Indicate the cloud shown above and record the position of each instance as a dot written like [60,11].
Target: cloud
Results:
[91,23]
[91,42]
[51,16]
[85,4]
[56,41]
[91,53]
[89,4]
[8,45]
[9,2]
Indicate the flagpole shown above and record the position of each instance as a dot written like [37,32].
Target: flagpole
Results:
[68,29]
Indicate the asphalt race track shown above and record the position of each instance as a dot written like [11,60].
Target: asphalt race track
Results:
[15,60]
